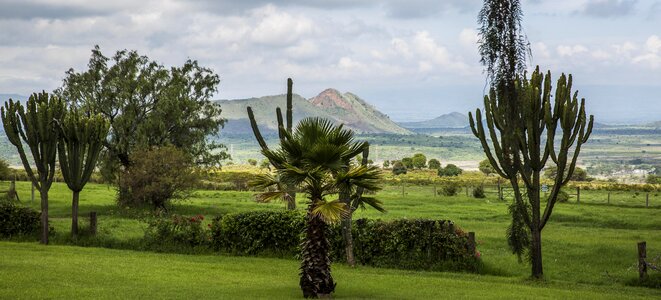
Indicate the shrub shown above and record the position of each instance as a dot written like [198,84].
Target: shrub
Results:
[478,192]
[434,164]
[16,220]
[419,160]
[176,231]
[408,162]
[270,232]
[252,162]
[398,168]
[449,170]
[450,188]
[562,196]
[5,172]
[157,176]
[486,168]
[386,164]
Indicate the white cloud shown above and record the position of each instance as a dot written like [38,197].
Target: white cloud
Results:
[564,50]
[653,44]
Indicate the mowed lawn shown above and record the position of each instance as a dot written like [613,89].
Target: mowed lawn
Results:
[589,252]
[31,271]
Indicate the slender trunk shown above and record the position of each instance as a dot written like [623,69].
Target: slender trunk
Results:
[44,214]
[315,274]
[536,254]
[348,237]
[291,203]
[74,215]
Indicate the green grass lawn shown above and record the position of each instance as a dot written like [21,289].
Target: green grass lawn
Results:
[32,271]
[589,251]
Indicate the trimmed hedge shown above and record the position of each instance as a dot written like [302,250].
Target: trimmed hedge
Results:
[406,244]
[16,220]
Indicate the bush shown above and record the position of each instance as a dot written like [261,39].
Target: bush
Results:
[257,232]
[252,162]
[562,197]
[478,192]
[434,164]
[450,189]
[398,168]
[406,244]
[176,231]
[449,170]
[157,176]
[5,172]
[16,220]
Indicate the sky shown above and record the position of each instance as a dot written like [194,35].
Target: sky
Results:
[412,59]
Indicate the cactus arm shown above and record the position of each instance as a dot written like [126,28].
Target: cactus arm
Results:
[478,130]
[278,115]
[290,116]
[255,130]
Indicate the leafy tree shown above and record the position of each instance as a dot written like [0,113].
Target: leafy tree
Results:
[434,164]
[5,172]
[398,168]
[158,175]
[386,164]
[419,160]
[534,115]
[408,162]
[449,170]
[36,127]
[653,179]
[486,168]
[79,146]
[147,106]
[252,162]
[579,174]
[315,157]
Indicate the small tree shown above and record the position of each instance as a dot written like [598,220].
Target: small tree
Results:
[158,175]
[486,168]
[5,172]
[36,127]
[579,174]
[386,164]
[419,160]
[449,170]
[81,142]
[252,162]
[434,164]
[408,162]
[398,168]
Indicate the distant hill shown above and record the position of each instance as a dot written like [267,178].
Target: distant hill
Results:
[346,108]
[451,120]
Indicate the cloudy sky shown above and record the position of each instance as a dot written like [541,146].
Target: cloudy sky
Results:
[413,59]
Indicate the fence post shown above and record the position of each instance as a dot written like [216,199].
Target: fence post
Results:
[642,264]
[93,223]
[578,195]
[609,197]
[471,242]
[647,200]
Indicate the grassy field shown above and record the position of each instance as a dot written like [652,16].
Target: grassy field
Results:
[589,251]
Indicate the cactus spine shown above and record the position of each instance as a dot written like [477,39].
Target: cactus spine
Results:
[81,142]
[36,127]
[521,127]
[291,205]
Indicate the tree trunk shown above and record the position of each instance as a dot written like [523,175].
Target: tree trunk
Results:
[536,254]
[44,215]
[348,238]
[74,215]
[315,274]
[291,204]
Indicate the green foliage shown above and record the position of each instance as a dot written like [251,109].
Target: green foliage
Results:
[175,232]
[408,162]
[579,174]
[265,164]
[398,168]
[252,162]
[148,105]
[419,160]
[258,232]
[449,170]
[478,192]
[486,168]
[16,220]
[653,179]
[157,176]
[563,197]
[434,164]
[450,188]
[5,172]
[386,164]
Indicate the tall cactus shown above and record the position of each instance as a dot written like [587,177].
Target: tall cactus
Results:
[80,143]
[291,205]
[36,127]
[523,130]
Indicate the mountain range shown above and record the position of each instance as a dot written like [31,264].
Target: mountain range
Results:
[451,120]
[347,108]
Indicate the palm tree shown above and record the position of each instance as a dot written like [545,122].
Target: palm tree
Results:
[316,158]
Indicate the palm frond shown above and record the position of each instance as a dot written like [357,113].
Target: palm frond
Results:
[270,196]
[371,201]
[330,211]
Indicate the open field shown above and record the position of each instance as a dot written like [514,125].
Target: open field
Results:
[591,243]
[66,272]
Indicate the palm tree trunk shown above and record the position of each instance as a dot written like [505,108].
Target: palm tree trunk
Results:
[74,215]
[291,203]
[315,274]
[348,238]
